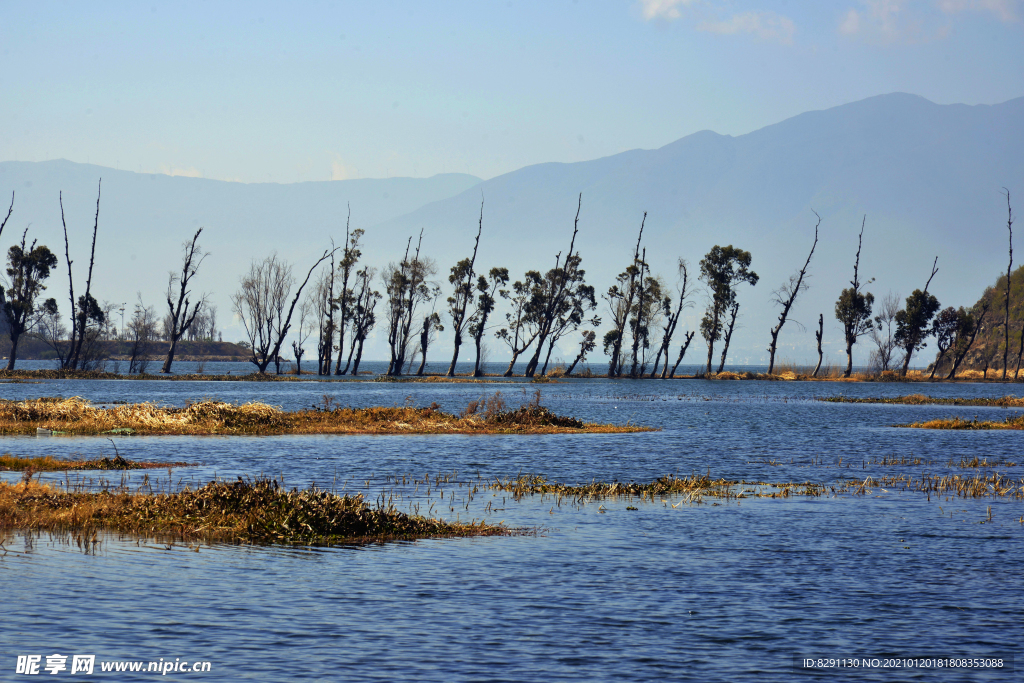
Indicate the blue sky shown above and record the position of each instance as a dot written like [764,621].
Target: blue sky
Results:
[262,92]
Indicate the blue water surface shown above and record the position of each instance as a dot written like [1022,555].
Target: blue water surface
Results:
[671,591]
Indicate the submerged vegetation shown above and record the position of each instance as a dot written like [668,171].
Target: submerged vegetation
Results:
[921,399]
[257,511]
[489,415]
[695,487]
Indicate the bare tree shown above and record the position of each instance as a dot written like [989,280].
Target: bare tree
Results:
[141,332]
[672,318]
[302,333]
[8,216]
[181,316]
[682,352]
[1006,313]
[1020,354]
[883,332]
[853,309]
[818,335]
[322,312]
[785,296]
[262,306]
[86,313]
[461,278]
[620,297]
[27,271]
[733,314]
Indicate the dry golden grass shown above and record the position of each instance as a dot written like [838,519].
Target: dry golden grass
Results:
[257,511]
[1013,422]
[212,417]
[48,463]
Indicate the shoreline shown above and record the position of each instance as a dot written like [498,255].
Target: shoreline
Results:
[914,377]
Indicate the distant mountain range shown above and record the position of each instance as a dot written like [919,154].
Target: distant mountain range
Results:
[927,176]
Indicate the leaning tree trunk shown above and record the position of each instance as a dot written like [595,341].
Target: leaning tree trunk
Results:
[818,335]
[682,352]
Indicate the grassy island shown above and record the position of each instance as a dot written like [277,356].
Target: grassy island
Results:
[486,416]
[1012,422]
[258,512]
[48,463]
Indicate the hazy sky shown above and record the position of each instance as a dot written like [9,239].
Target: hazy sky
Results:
[259,91]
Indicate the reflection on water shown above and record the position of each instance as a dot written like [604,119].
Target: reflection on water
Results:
[691,592]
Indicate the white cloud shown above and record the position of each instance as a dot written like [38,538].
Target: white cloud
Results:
[915,21]
[765,25]
[1004,10]
[663,9]
[851,23]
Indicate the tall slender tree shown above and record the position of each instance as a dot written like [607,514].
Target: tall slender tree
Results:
[28,267]
[486,288]
[461,277]
[1009,268]
[347,266]
[912,323]
[672,317]
[853,309]
[722,269]
[10,209]
[818,335]
[561,298]
[406,288]
[181,316]
[620,297]
[785,296]
[966,332]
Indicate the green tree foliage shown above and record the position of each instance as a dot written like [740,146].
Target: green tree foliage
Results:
[722,270]
[912,324]
[28,267]
[853,309]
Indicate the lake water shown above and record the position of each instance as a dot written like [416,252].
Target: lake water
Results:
[734,591]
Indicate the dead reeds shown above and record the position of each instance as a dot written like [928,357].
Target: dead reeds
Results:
[48,463]
[78,416]
[1011,422]
[245,511]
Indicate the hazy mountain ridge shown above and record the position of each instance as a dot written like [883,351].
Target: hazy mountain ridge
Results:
[928,177]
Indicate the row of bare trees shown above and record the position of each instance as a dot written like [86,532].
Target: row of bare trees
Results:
[78,344]
[543,308]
